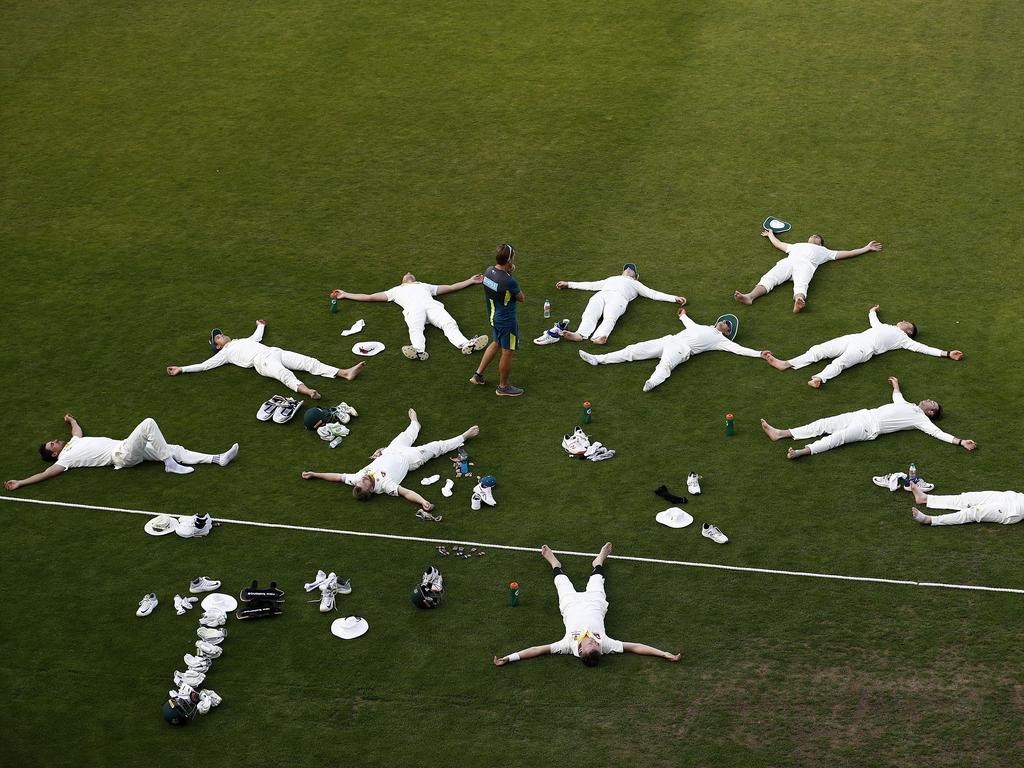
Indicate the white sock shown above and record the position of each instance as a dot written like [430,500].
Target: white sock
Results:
[227,457]
[920,516]
[430,480]
[170,465]
[447,490]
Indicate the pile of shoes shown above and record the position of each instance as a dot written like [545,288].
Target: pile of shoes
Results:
[330,587]
[188,698]
[329,423]
[279,408]
[483,492]
[894,481]
[578,444]
[554,334]
[260,602]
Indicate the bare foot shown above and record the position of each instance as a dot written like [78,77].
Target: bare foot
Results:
[471,432]
[920,516]
[600,340]
[548,555]
[412,415]
[799,304]
[815,382]
[774,434]
[742,298]
[603,554]
[920,496]
[778,365]
[350,373]
[571,336]
[794,453]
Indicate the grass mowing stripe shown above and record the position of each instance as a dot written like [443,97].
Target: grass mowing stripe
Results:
[517,548]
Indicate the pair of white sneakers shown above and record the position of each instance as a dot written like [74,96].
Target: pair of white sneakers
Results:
[330,587]
[896,480]
[707,530]
[481,496]
[553,335]
[279,408]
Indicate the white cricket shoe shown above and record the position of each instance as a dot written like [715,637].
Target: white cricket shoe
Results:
[414,354]
[319,579]
[693,483]
[203,584]
[486,495]
[711,532]
[147,604]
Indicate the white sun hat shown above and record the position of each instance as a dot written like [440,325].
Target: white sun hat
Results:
[218,601]
[674,517]
[368,348]
[161,525]
[350,627]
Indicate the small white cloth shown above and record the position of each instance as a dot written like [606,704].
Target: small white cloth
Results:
[447,491]
[357,326]
[430,480]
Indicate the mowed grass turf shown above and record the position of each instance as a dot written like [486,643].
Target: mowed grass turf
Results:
[171,168]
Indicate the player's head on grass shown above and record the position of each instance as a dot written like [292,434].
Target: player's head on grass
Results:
[590,652]
[50,450]
[220,340]
[907,327]
[363,489]
[931,409]
[817,239]
[408,277]
[725,327]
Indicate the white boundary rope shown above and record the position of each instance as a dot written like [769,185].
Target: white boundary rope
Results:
[426,540]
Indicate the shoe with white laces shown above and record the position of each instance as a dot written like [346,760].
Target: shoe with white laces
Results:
[208,650]
[147,604]
[711,532]
[486,495]
[213,619]
[198,663]
[269,408]
[317,581]
[921,485]
[883,481]
[414,354]
[211,635]
[474,345]
[201,526]
[693,483]
[202,584]
[286,412]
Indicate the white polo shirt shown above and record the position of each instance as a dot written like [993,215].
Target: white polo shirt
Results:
[387,472]
[811,253]
[413,296]
[88,452]
[585,614]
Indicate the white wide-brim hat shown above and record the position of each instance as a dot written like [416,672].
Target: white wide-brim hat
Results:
[368,348]
[350,627]
[161,525]
[674,517]
[218,601]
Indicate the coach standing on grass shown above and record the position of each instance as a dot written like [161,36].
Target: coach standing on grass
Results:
[502,293]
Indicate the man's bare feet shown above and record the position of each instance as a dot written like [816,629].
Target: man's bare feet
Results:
[774,362]
[350,373]
[774,434]
[571,336]
[413,416]
[742,298]
[796,453]
[920,497]
[600,340]
[548,555]
[798,305]
[471,432]
[920,516]
[815,382]
[603,554]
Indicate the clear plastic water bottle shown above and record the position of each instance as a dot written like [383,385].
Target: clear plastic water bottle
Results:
[547,308]
[912,473]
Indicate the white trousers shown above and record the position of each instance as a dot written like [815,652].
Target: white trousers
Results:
[147,443]
[1004,507]
[838,430]
[607,303]
[567,594]
[669,349]
[438,317]
[800,272]
[845,350]
[415,456]
[278,364]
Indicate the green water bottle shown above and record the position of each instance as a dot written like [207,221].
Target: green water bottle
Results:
[334,305]
[513,594]
[588,413]
[730,426]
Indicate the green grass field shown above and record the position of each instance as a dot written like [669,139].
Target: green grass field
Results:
[171,167]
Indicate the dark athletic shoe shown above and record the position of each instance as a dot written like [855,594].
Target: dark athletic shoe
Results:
[509,391]
[478,378]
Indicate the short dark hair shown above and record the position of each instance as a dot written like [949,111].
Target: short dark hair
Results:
[361,493]
[590,659]
[913,329]
[938,412]
[820,236]
[504,253]
[46,454]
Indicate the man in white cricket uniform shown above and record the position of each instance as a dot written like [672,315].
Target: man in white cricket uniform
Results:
[678,348]
[799,265]
[583,616]
[856,348]
[272,362]
[419,307]
[610,302]
[867,424]
[145,443]
[1005,507]
[390,465]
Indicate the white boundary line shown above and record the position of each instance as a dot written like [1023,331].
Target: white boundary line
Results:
[423,539]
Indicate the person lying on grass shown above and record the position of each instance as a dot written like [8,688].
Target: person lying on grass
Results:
[390,465]
[583,615]
[145,443]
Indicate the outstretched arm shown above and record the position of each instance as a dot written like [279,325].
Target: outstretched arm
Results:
[526,653]
[646,650]
[379,296]
[331,477]
[415,498]
[76,431]
[211,362]
[873,316]
[784,247]
[474,280]
[261,326]
[51,471]
[872,246]
[582,285]
[650,293]
[727,345]
[897,395]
